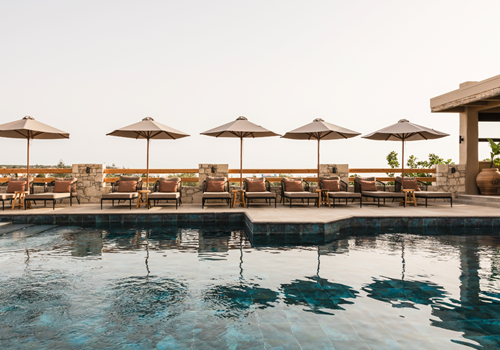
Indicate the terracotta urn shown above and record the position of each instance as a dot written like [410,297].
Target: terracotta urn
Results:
[488,181]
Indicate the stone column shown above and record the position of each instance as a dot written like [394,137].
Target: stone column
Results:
[449,180]
[90,181]
[211,170]
[469,154]
[341,170]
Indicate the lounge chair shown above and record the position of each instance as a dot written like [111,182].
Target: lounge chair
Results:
[424,194]
[160,193]
[56,190]
[124,192]
[290,191]
[210,192]
[343,192]
[251,192]
[376,195]
[12,187]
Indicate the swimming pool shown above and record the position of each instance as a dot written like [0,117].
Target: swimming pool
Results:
[211,288]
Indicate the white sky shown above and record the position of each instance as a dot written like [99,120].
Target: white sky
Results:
[89,67]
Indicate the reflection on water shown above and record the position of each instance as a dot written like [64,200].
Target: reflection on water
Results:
[211,288]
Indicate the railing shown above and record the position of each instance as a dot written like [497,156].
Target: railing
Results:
[35,171]
[152,179]
[273,171]
[391,170]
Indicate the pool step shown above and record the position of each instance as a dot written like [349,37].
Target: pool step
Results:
[5,223]
[25,231]
[485,201]
[10,228]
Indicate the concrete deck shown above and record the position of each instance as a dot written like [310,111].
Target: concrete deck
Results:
[282,214]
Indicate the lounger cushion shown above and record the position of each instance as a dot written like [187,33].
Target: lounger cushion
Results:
[260,194]
[430,194]
[216,195]
[344,195]
[331,185]
[293,186]
[381,194]
[303,194]
[120,195]
[127,186]
[6,196]
[168,186]
[215,186]
[16,185]
[48,195]
[256,185]
[368,186]
[411,184]
[62,186]
[164,195]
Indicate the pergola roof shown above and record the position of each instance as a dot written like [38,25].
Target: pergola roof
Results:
[482,96]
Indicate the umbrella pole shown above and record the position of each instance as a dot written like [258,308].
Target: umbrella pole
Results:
[147,169]
[403,165]
[318,163]
[241,163]
[28,167]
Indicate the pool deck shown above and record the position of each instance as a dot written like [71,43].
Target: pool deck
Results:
[282,214]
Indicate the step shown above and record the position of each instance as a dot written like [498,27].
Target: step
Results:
[485,201]
[10,228]
[5,223]
[26,231]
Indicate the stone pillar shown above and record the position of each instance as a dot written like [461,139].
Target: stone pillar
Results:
[449,180]
[90,181]
[211,170]
[469,153]
[342,171]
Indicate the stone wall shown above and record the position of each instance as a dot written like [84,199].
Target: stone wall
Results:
[211,170]
[449,180]
[90,184]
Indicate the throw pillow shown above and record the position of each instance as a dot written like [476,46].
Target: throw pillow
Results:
[294,186]
[127,186]
[331,185]
[215,186]
[168,186]
[62,186]
[368,186]
[15,185]
[256,186]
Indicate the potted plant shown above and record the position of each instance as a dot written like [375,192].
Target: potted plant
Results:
[488,180]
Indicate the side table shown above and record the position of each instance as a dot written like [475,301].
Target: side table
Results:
[242,198]
[142,193]
[409,197]
[323,197]
[19,200]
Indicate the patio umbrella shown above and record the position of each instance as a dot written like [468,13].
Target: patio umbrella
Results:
[28,128]
[403,131]
[240,128]
[148,129]
[320,130]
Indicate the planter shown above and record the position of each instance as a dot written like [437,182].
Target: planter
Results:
[488,181]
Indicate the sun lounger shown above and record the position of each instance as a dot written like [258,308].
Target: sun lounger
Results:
[59,189]
[212,190]
[290,191]
[11,186]
[127,191]
[376,195]
[162,192]
[342,193]
[424,194]
[252,190]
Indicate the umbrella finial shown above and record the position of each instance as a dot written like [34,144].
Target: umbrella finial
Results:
[241,118]
[148,119]
[318,120]
[28,117]
[403,121]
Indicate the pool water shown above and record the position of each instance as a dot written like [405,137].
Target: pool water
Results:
[182,288]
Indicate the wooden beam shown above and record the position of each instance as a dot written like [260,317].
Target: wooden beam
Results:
[151,171]
[389,170]
[37,171]
[152,179]
[391,179]
[274,171]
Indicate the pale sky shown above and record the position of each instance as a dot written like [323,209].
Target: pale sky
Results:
[90,67]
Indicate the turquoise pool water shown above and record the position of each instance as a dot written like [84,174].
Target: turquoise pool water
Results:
[182,288]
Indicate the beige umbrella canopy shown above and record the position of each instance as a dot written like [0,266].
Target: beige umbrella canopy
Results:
[403,131]
[148,129]
[28,128]
[240,128]
[320,130]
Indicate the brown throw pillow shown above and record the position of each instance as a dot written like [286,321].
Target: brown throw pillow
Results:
[294,186]
[256,186]
[331,185]
[62,186]
[368,186]
[411,185]
[215,186]
[168,186]
[15,185]
[127,186]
